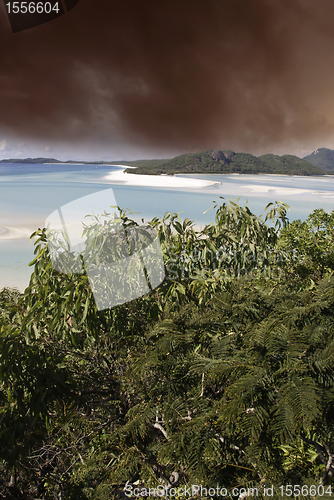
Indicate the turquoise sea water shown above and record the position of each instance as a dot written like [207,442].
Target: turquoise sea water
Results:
[29,193]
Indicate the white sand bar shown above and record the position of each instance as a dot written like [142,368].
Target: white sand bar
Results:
[16,232]
[164,181]
[281,191]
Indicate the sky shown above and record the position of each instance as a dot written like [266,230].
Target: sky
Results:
[127,79]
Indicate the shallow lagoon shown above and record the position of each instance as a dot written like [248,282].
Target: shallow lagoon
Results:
[29,193]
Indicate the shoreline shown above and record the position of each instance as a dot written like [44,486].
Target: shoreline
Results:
[163,181]
[16,228]
[16,232]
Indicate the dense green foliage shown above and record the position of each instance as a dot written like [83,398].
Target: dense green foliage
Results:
[322,158]
[224,162]
[224,374]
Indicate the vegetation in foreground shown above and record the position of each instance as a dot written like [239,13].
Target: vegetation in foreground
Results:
[222,375]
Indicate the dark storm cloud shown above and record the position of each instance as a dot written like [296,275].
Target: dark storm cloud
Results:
[177,75]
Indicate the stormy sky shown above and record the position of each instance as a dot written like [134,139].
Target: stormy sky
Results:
[124,79]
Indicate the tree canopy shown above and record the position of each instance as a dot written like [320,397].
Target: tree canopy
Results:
[223,374]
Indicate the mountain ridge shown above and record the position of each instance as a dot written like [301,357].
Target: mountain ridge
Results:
[322,158]
[214,161]
[227,162]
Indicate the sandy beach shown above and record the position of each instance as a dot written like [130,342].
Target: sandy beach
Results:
[164,181]
[16,229]
[281,191]
[20,227]
[18,232]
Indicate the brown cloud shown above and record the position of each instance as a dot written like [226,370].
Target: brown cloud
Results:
[176,75]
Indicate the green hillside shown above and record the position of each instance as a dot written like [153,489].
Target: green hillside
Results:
[217,161]
[322,158]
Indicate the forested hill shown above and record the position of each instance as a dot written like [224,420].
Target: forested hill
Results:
[217,161]
[322,158]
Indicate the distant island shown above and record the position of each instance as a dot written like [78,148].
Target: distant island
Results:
[320,162]
[31,160]
[41,161]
